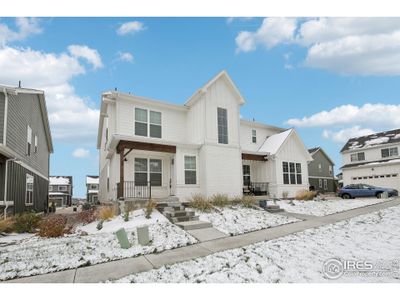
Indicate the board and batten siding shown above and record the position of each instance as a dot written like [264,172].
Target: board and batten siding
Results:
[24,110]
[2,112]
[313,167]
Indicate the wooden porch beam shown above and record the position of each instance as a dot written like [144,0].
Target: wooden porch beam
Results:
[121,173]
[256,157]
[145,146]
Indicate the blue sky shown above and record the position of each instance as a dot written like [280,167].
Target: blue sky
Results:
[287,69]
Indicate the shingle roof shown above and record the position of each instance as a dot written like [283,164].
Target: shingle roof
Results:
[380,138]
[312,150]
[371,163]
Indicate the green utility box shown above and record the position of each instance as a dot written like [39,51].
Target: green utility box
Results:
[143,235]
[123,239]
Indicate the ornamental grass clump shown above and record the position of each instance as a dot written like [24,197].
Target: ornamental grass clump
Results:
[305,195]
[6,225]
[26,222]
[248,201]
[55,226]
[87,216]
[220,200]
[106,213]
[150,206]
[200,202]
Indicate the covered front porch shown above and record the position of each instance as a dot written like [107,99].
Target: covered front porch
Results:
[254,168]
[147,170]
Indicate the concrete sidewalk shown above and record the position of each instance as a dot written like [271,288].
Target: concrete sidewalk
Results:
[124,267]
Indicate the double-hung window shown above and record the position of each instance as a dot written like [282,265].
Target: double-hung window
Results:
[146,169]
[254,136]
[389,152]
[222,126]
[292,173]
[325,184]
[298,174]
[29,141]
[29,189]
[360,156]
[62,188]
[246,175]
[190,170]
[285,167]
[147,123]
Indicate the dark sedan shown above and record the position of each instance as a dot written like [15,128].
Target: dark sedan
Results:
[365,190]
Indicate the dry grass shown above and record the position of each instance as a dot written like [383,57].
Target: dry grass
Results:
[6,225]
[106,213]
[220,200]
[150,206]
[248,201]
[200,202]
[305,195]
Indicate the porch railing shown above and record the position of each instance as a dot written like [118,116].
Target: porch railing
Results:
[133,189]
[256,188]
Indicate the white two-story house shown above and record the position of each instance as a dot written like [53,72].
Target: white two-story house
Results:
[373,159]
[150,148]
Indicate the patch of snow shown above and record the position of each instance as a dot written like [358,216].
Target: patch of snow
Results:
[14,237]
[297,257]
[325,207]
[377,141]
[238,220]
[397,136]
[274,142]
[59,180]
[37,255]
[92,180]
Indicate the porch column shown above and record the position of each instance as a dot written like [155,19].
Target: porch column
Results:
[121,173]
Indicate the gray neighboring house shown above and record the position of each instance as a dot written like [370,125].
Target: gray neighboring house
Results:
[92,189]
[25,148]
[61,190]
[320,171]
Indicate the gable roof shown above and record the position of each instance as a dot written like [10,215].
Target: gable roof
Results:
[313,151]
[223,74]
[60,180]
[367,141]
[43,108]
[273,143]
[92,179]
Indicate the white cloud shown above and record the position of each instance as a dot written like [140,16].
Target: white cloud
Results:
[80,153]
[130,28]
[381,115]
[125,56]
[72,118]
[25,27]
[92,56]
[353,46]
[344,135]
[272,32]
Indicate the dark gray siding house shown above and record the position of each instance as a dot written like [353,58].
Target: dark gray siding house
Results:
[60,190]
[320,172]
[25,147]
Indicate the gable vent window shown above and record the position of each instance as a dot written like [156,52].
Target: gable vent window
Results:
[360,156]
[254,136]
[222,126]
[147,123]
[389,152]
[29,141]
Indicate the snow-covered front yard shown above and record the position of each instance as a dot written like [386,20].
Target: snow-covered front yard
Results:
[34,255]
[326,207]
[297,257]
[238,220]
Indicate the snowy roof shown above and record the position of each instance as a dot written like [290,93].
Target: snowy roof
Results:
[381,138]
[312,151]
[372,163]
[93,191]
[92,179]
[60,180]
[56,194]
[273,143]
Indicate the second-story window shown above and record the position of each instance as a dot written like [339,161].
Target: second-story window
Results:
[360,156]
[62,188]
[29,141]
[254,136]
[330,170]
[50,188]
[36,143]
[222,126]
[388,152]
[147,123]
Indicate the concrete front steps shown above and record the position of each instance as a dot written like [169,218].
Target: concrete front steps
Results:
[273,209]
[183,217]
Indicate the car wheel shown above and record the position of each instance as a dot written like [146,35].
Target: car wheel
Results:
[346,196]
[379,195]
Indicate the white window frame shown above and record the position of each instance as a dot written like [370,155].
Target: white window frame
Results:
[148,172]
[254,136]
[330,169]
[36,143]
[61,188]
[29,185]
[320,183]
[29,141]
[148,122]
[221,138]
[189,169]
[292,174]
[325,184]
[356,156]
[50,188]
[392,151]
[320,168]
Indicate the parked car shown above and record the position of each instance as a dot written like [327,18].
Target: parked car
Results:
[365,190]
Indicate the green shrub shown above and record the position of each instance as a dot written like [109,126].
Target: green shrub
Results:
[220,200]
[248,201]
[200,202]
[54,226]
[126,216]
[305,195]
[100,225]
[27,222]
[151,204]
